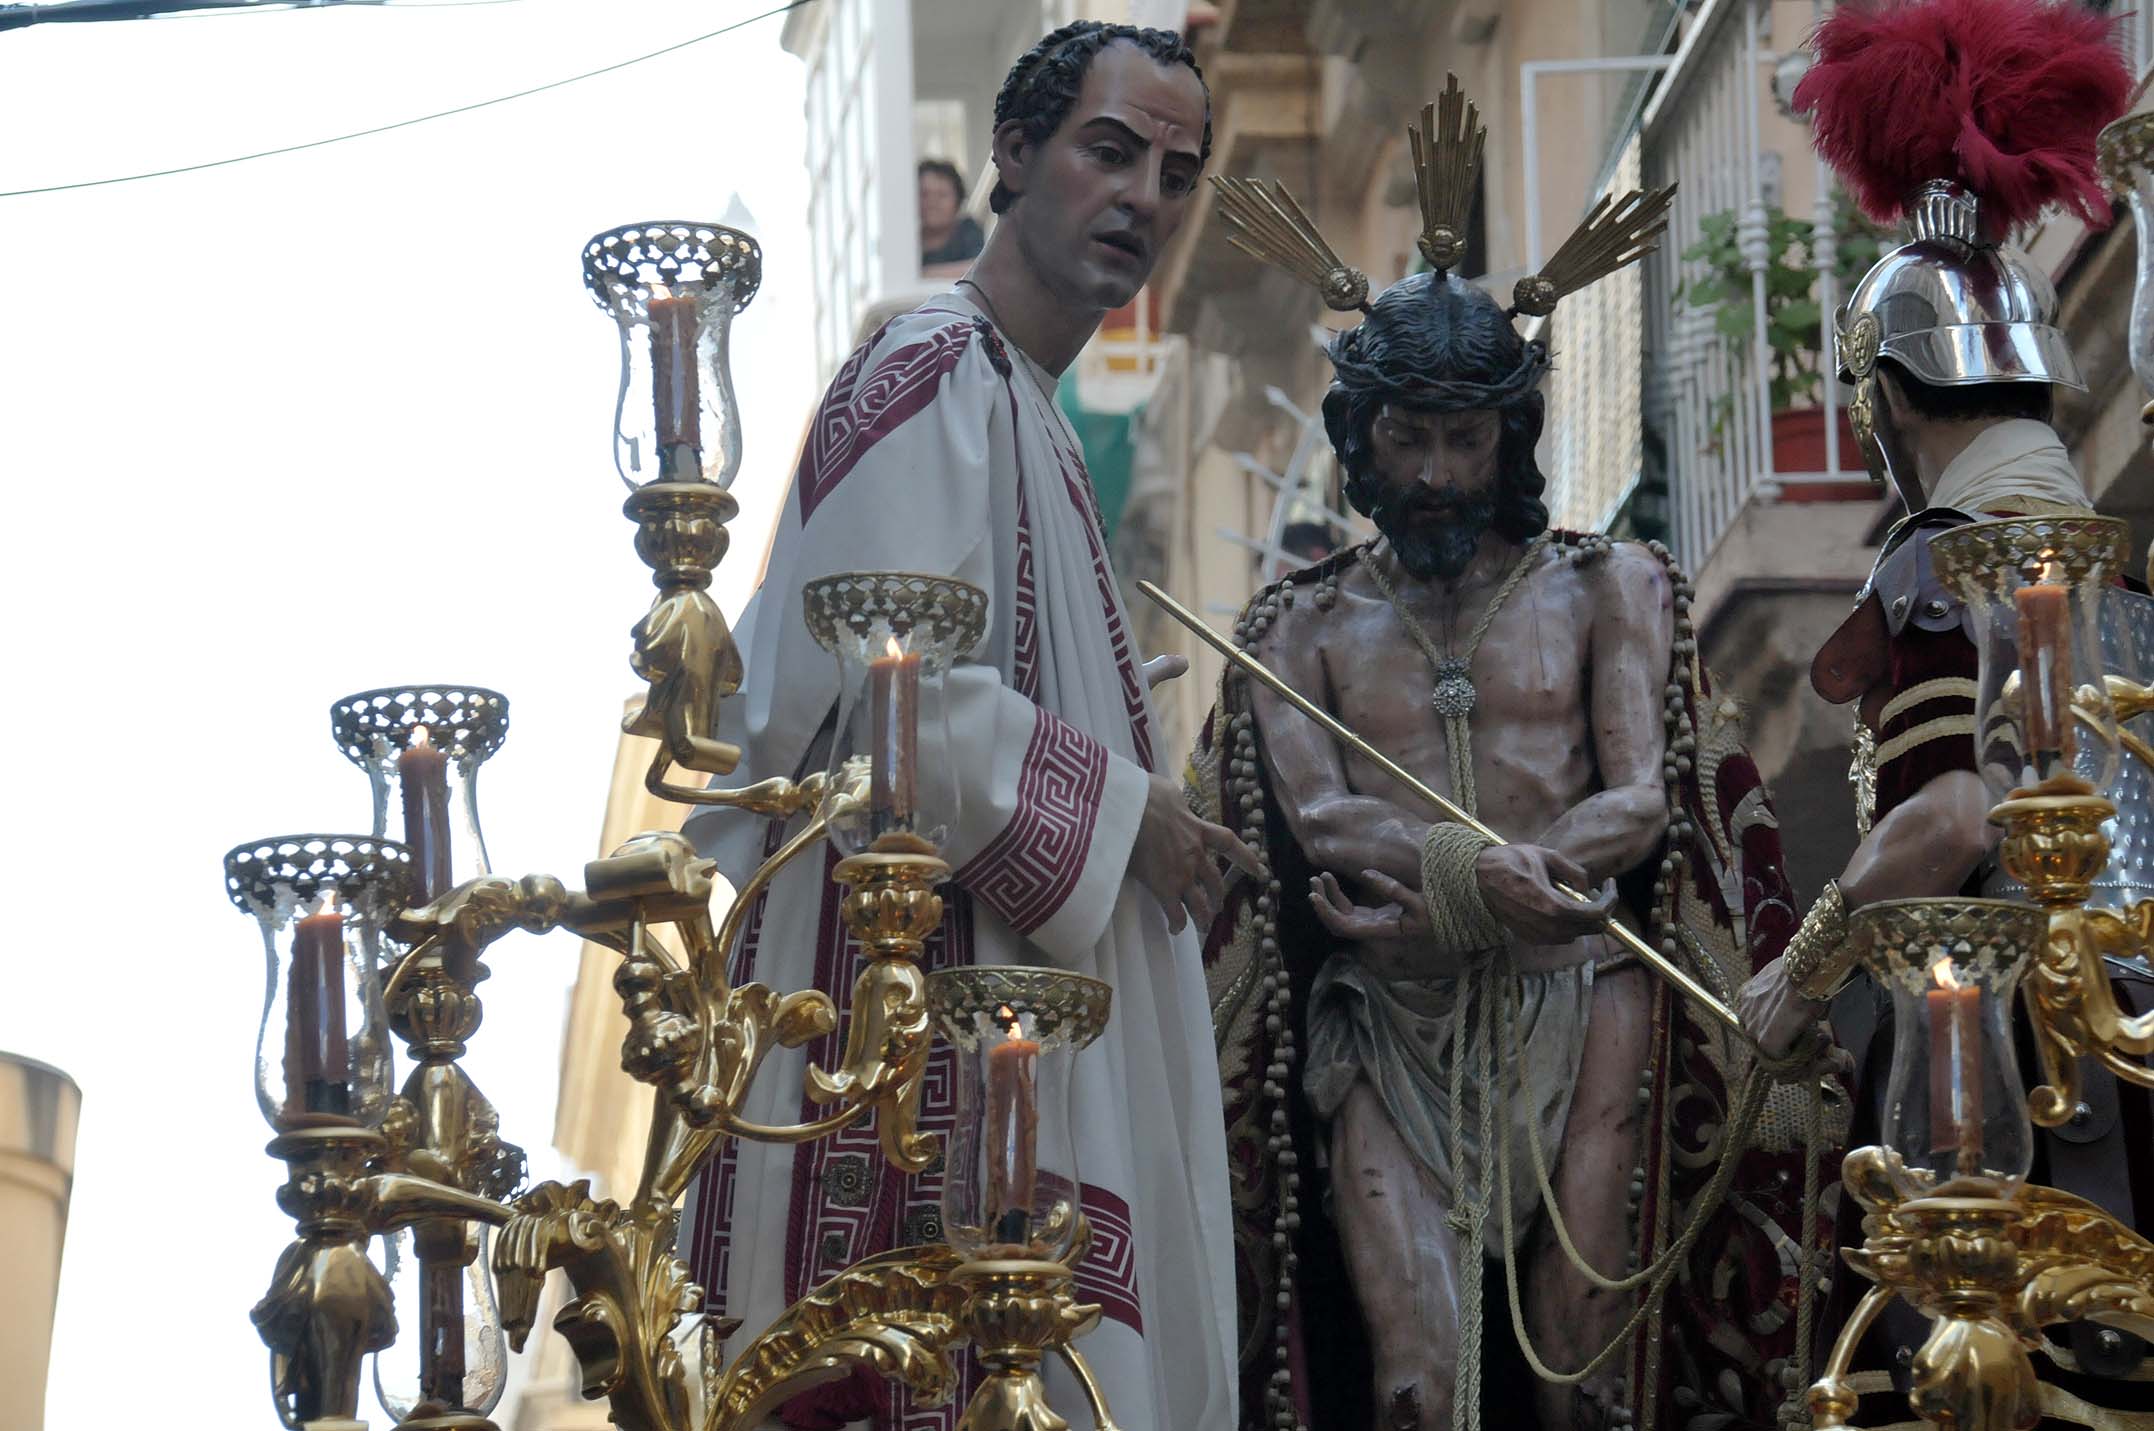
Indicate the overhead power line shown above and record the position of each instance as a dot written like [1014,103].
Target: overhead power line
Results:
[16,17]
[407,123]
[378,7]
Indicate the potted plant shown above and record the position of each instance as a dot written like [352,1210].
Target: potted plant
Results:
[1794,319]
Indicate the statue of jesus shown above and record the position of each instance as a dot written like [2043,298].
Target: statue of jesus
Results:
[1437,1058]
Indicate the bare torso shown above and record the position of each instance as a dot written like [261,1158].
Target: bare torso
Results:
[1566,728]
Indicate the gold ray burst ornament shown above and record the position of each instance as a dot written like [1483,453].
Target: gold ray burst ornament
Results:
[1267,223]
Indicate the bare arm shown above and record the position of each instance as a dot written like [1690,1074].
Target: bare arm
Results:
[1925,848]
[1609,832]
[1340,831]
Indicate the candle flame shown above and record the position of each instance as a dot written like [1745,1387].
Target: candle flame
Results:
[420,740]
[659,291]
[1941,971]
[2052,570]
[891,647]
[1007,1017]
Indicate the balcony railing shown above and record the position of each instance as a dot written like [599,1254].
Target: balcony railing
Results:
[1633,344]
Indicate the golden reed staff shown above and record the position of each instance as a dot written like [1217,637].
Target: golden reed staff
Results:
[1621,932]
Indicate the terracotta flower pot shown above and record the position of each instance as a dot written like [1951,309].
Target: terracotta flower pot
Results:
[1799,441]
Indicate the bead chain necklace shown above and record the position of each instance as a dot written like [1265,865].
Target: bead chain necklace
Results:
[1454,694]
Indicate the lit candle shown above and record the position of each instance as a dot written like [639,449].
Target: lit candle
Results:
[317,1056]
[894,724]
[1013,1121]
[2045,670]
[1955,1013]
[675,391]
[422,772]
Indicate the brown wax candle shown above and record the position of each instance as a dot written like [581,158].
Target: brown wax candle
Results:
[1013,1121]
[2045,669]
[894,727]
[422,772]
[317,1068]
[675,390]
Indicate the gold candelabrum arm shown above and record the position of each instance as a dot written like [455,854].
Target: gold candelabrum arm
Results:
[2054,846]
[1992,1274]
[699,1042]
[902,1316]
[685,653]
[905,1315]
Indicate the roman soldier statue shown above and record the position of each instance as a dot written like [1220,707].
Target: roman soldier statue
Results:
[1963,119]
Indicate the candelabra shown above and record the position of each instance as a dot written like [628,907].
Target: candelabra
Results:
[1952,1225]
[366,936]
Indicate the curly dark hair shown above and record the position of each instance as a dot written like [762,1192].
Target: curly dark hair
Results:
[1441,344]
[1042,86]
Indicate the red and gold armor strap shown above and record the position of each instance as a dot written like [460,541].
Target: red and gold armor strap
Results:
[1927,727]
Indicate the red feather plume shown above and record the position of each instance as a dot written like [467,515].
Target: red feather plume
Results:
[2004,96]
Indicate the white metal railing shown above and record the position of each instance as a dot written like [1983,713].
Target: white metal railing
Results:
[1712,399]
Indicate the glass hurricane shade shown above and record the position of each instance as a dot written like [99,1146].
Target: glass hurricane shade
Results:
[1010,1184]
[672,289]
[2034,588]
[421,748]
[2124,149]
[464,1319]
[322,1053]
[1955,1116]
[897,638]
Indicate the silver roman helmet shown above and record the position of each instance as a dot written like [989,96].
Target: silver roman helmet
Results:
[1952,309]
[1927,118]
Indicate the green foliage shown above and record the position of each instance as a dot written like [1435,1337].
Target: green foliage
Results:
[1794,319]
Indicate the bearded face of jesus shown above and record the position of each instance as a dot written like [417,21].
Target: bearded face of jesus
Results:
[1429,485]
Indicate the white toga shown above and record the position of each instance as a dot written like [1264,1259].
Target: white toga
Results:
[939,449]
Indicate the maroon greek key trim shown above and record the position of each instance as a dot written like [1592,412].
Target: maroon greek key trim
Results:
[866,404]
[1030,868]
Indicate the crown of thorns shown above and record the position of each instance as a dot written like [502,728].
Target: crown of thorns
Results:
[1265,222]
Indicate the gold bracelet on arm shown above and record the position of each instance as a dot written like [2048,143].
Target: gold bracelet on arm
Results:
[1818,959]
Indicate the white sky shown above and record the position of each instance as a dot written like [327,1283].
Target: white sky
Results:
[284,430]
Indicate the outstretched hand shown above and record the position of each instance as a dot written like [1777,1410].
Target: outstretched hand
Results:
[1518,883]
[1175,856]
[1405,916]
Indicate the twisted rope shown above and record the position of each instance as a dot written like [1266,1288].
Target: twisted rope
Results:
[1458,736]
[1476,994]
[1459,918]
[1795,1410]
[1749,1103]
